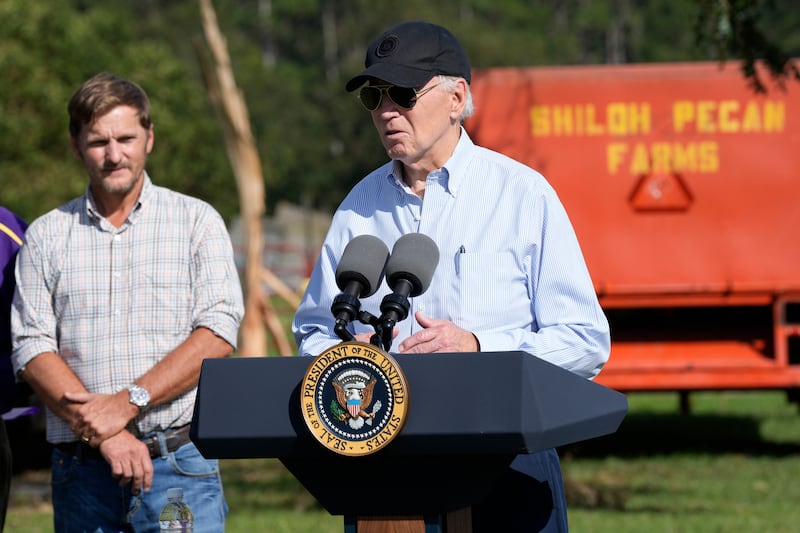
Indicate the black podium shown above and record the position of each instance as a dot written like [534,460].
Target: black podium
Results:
[468,416]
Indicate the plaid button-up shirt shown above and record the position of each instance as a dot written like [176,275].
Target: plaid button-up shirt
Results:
[112,302]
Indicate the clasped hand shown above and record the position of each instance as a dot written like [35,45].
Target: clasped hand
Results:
[99,416]
[100,421]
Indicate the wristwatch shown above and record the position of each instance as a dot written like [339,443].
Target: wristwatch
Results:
[139,397]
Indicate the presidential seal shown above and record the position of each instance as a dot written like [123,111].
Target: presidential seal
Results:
[354,398]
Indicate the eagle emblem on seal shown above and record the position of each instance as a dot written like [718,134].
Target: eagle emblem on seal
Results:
[353,398]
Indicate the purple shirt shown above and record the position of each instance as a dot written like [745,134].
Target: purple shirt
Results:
[12,229]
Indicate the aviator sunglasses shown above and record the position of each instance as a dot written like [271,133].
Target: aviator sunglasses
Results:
[405,97]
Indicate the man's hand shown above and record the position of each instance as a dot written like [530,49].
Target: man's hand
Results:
[439,336]
[130,461]
[100,416]
[365,337]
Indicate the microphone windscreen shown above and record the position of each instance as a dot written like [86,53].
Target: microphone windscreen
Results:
[363,261]
[414,258]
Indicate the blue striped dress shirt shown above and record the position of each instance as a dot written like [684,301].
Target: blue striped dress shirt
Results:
[510,267]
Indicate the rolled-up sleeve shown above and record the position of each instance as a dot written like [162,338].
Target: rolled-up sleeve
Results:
[218,292]
[33,323]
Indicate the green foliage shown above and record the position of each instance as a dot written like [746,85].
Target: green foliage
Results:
[291,58]
[736,29]
[47,48]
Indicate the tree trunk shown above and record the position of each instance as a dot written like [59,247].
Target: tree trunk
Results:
[229,102]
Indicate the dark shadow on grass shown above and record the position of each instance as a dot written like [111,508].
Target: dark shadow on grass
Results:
[645,434]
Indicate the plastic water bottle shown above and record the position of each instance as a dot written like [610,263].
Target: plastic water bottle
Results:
[176,516]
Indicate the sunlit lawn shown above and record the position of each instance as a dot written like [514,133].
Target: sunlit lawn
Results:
[732,465]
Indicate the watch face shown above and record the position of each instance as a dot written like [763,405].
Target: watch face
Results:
[139,396]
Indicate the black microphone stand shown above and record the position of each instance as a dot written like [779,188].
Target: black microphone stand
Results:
[345,307]
[365,317]
[394,307]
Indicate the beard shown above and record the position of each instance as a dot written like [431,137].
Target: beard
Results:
[118,185]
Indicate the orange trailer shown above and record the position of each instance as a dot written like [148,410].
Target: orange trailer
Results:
[683,185]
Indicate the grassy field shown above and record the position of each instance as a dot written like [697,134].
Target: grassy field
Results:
[732,465]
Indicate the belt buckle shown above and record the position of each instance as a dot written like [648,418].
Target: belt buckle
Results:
[172,439]
[152,445]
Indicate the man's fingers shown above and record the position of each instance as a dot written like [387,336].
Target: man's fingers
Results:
[147,478]
[137,478]
[77,397]
[118,470]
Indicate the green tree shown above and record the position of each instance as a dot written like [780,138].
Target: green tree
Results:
[47,48]
[292,58]
[746,30]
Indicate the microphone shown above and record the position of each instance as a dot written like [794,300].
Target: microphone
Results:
[408,273]
[358,275]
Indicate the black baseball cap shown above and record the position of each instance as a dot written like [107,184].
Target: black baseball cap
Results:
[410,54]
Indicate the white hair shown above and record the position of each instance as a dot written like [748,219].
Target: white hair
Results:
[450,83]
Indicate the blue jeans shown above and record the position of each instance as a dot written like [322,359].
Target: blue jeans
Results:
[87,499]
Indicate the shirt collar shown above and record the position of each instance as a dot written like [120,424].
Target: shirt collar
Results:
[456,167]
[94,213]
[451,175]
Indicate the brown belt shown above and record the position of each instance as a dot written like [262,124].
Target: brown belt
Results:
[175,439]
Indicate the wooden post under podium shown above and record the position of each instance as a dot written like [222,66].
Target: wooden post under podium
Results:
[459,521]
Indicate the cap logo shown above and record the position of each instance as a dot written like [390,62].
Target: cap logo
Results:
[387,46]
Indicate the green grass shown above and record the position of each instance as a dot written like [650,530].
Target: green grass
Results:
[264,496]
[732,465]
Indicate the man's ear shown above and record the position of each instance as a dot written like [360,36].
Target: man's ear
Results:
[73,143]
[458,100]
[150,139]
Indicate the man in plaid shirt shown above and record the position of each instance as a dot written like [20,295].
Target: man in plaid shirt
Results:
[121,294]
